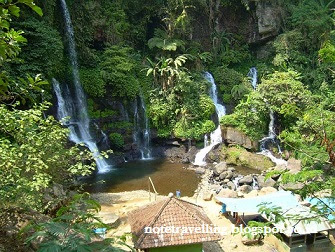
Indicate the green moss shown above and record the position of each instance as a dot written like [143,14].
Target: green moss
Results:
[239,156]
[116,140]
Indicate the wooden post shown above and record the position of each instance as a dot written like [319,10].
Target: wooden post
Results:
[153,187]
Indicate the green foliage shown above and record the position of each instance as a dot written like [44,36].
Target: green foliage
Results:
[11,41]
[44,51]
[119,71]
[250,116]
[183,110]
[72,229]
[327,52]
[34,155]
[232,84]
[95,112]
[167,71]
[285,93]
[116,140]
[92,82]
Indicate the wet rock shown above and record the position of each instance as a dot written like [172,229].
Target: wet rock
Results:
[246,180]
[229,175]
[185,160]
[226,181]
[245,189]
[200,170]
[223,175]
[237,137]
[265,183]
[220,168]
[231,185]
[58,190]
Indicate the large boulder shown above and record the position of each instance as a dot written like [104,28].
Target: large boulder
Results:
[227,193]
[267,190]
[245,189]
[247,180]
[237,137]
[268,15]
[294,165]
[265,183]
[220,168]
[241,157]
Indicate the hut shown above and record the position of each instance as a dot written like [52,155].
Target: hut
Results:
[171,225]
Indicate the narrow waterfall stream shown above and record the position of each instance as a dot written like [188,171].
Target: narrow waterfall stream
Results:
[142,134]
[271,138]
[215,136]
[73,107]
[253,74]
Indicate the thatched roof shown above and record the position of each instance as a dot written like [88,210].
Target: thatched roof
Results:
[171,212]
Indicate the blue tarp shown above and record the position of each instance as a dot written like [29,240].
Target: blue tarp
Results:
[329,201]
[283,199]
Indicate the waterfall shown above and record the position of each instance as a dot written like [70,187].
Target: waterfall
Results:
[215,136]
[271,138]
[73,107]
[253,74]
[141,134]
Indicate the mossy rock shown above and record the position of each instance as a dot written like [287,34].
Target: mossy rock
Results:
[240,156]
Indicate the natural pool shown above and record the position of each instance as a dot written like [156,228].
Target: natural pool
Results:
[166,176]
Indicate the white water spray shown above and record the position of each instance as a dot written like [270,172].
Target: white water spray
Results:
[73,107]
[215,136]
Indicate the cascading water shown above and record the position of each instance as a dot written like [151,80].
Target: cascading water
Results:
[253,74]
[141,134]
[215,136]
[73,107]
[271,138]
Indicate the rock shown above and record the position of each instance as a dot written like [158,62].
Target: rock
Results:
[220,168]
[229,175]
[215,188]
[251,194]
[227,193]
[185,160]
[267,190]
[231,185]
[265,183]
[223,175]
[236,137]
[269,19]
[232,169]
[200,170]
[207,196]
[292,186]
[239,156]
[226,181]
[109,218]
[249,241]
[246,180]
[245,189]
[294,165]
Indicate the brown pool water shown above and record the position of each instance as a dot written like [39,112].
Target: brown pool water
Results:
[166,176]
